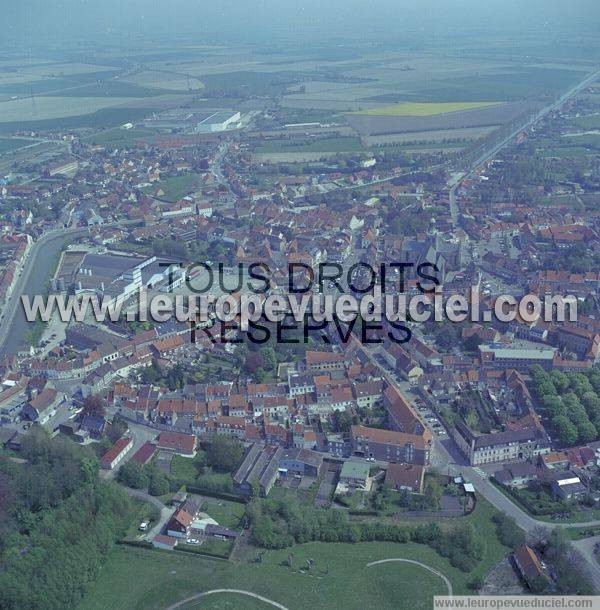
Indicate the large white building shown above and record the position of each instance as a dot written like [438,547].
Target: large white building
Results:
[219,121]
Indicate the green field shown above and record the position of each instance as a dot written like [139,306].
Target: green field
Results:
[10,144]
[590,121]
[588,140]
[245,83]
[424,108]
[145,579]
[120,138]
[323,145]
[136,579]
[566,151]
[106,117]
[114,88]
[176,187]
[522,83]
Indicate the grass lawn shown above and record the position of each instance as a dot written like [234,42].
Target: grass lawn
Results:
[423,108]
[176,187]
[577,516]
[577,533]
[225,513]
[138,578]
[187,468]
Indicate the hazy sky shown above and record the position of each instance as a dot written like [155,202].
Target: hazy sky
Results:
[30,20]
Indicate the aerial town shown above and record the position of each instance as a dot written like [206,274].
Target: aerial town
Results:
[280,468]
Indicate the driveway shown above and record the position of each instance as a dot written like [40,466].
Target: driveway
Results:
[165,511]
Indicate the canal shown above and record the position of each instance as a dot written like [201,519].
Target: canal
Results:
[15,327]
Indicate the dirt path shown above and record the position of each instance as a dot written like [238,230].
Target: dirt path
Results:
[418,563]
[183,602]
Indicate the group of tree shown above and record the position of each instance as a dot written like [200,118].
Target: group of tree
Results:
[571,401]
[224,454]
[575,259]
[508,532]
[58,522]
[174,378]
[569,566]
[221,456]
[278,524]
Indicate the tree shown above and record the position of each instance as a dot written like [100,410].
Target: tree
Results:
[159,484]
[132,475]
[343,421]
[269,358]
[554,405]
[94,406]
[447,335]
[546,388]
[253,362]
[567,432]
[508,532]
[586,431]
[117,428]
[224,454]
[560,381]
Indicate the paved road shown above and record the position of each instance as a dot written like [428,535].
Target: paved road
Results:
[418,563]
[454,465]
[193,598]
[525,521]
[494,149]
[140,435]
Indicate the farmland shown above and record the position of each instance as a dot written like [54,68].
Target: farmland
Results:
[434,136]
[61,95]
[56,107]
[590,121]
[369,124]
[120,138]
[163,79]
[313,145]
[10,144]
[423,109]
[103,118]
